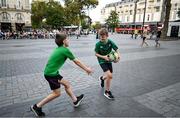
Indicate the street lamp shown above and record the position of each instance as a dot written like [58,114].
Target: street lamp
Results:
[144,14]
[135,8]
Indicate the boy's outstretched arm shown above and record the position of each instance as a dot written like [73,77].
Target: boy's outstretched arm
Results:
[83,66]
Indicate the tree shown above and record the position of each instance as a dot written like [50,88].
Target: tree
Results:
[167,5]
[97,25]
[112,20]
[74,10]
[86,22]
[72,13]
[48,15]
[55,15]
[38,14]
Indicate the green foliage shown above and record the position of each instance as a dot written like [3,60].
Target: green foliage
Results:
[112,20]
[86,22]
[97,25]
[38,14]
[72,13]
[53,15]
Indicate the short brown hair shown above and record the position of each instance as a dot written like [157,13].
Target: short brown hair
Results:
[103,31]
[60,37]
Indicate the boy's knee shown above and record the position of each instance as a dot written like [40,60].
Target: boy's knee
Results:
[56,94]
[109,75]
[67,85]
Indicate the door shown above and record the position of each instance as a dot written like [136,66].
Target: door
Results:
[174,31]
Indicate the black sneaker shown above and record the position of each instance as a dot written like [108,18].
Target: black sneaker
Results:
[79,100]
[102,81]
[108,94]
[37,111]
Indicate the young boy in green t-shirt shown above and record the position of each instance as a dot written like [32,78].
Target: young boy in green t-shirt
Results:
[51,73]
[102,49]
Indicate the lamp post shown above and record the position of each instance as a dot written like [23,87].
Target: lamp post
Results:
[144,14]
[135,10]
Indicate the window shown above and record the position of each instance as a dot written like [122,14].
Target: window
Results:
[127,18]
[152,17]
[139,17]
[130,12]
[157,9]
[19,16]
[5,16]
[174,15]
[3,3]
[139,10]
[148,17]
[19,4]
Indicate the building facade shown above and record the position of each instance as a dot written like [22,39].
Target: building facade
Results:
[42,0]
[132,11]
[15,15]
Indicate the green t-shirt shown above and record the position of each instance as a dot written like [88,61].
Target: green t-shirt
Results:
[104,49]
[56,60]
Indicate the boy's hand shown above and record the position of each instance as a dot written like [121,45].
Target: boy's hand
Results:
[117,60]
[89,70]
[106,58]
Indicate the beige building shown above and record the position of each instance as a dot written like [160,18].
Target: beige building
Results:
[42,0]
[15,15]
[174,9]
[132,11]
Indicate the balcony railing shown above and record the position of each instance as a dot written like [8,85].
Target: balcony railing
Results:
[150,0]
[3,5]
[5,20]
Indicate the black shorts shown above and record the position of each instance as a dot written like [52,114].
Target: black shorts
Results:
[157,39]
[53,81]
[144,38]
[106,67]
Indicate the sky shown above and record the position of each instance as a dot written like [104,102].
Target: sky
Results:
[95,13]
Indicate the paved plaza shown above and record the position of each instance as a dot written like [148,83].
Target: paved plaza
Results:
[146,82]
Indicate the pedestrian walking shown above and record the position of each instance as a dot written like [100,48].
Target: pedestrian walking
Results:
[77,33]
[144,37]
[157,38]
[97,34]
[132,33]
[136,33]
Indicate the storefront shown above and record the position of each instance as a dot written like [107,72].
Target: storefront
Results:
[174,29]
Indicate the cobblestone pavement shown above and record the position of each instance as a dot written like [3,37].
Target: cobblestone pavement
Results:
[145,83]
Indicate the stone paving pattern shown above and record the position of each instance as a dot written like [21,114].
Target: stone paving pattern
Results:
[145,83]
